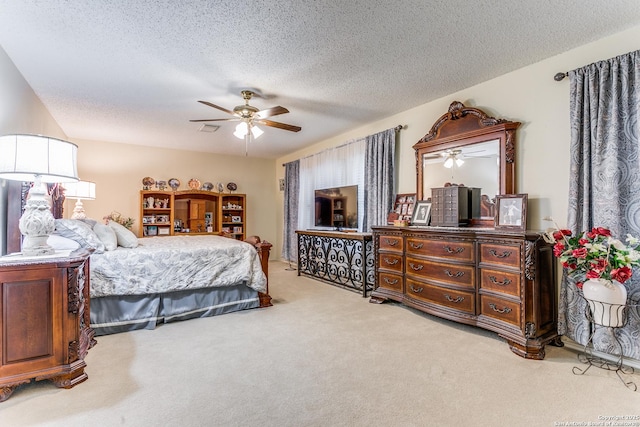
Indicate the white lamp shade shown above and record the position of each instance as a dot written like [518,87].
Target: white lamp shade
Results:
[241,130]
[256,131]
[448,163]
[80,190]
[244,128]
[26,157]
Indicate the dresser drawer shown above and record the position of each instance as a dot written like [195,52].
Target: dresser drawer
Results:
[445,249]
[390,281]
[390,243]
[497,254]
[390,261]
[500,281]
[497,308]
[458,274]
[459,300]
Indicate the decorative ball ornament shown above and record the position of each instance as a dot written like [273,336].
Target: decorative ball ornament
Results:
[147,182]
[232,187]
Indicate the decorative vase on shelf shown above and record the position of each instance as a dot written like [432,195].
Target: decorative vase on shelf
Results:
[607,300]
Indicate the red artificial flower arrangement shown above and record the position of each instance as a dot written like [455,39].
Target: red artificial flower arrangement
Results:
[595,254]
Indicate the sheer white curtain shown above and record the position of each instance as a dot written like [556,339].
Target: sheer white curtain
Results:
[333,167]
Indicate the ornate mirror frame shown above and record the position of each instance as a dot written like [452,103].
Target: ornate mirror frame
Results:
[462,126]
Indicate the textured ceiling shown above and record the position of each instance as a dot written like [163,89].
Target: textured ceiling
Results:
[132,71]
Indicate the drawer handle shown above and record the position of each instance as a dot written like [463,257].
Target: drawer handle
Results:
[456,299]
[416,267]
[450,274]
[391,242]
[416,290]
[416,245]
[505,254]
[504,310]
[505,282]
[393,261]
[453,251]
[390,281]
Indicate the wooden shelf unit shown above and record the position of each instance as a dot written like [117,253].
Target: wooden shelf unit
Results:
[156,213]
[232,215]
[198,211]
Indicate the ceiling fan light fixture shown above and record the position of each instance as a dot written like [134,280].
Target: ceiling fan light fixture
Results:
[449,162]
[241,130]
[256,131]
[459,162]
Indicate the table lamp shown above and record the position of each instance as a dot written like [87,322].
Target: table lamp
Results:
[39,159]
[81,190]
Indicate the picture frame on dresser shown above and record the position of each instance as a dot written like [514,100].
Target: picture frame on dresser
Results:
[511,212]
[421,213]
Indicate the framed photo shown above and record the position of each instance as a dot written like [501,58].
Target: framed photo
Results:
[236,218]
[421,213]
[511,212]
[162,219]
[163,231]
[152,230]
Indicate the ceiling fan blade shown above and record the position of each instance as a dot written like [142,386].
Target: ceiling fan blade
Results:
[279,125]
[215,120]
[274,111]
[216,106]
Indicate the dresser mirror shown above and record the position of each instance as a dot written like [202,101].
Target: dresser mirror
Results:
[467,147]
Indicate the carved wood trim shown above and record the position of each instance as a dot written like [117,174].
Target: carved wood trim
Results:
[456,111]
[74,351]
[462,126]
[530,260]
[73,290]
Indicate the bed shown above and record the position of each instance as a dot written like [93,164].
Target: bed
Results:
[164,279]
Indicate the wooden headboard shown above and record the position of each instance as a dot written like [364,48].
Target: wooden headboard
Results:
[17,198]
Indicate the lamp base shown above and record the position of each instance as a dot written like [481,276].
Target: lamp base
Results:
[78,211]
[37,223]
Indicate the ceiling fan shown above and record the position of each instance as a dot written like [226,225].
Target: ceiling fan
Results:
[249,117]
[450,156]
[457,156]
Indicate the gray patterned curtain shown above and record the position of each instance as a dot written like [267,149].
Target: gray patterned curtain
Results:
[604,181]
[378,178]
[291,195]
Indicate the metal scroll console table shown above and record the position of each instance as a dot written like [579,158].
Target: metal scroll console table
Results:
[611,317]
[342,258]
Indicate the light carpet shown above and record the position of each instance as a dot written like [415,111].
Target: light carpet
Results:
[322,356]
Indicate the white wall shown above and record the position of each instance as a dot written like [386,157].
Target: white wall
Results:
[529,95]
[20,112]
[118,169]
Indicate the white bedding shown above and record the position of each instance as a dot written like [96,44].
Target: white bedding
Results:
[165,264]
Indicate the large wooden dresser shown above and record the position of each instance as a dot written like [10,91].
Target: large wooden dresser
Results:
[500,281]
[44,320]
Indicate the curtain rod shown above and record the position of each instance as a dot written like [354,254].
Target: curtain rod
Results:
[397,129]
[560,76]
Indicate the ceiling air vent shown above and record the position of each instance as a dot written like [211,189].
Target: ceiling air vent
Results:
[208,128]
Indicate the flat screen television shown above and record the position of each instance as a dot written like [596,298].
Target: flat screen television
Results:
[337,207]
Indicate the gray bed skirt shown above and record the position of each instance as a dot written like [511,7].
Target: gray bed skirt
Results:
[114,314]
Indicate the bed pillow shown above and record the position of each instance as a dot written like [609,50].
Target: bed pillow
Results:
[80,232]
[90,222]
[106,235]
[60,243]
[125,237]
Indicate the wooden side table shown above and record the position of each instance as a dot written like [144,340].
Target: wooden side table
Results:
[44,320]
